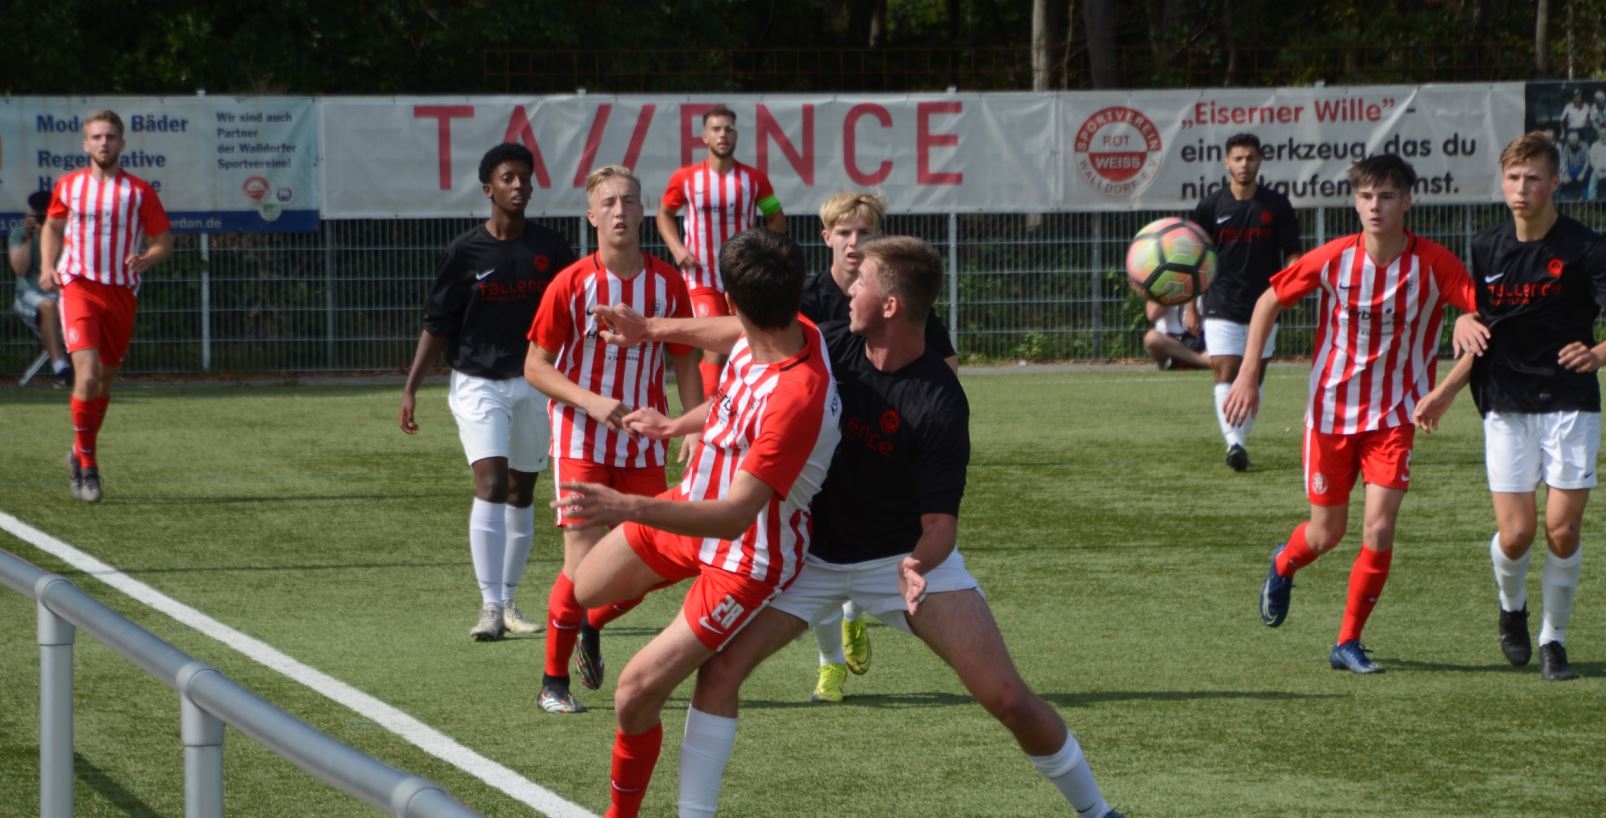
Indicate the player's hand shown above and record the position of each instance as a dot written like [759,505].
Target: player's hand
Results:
[625,326]
[1243,401]
[589,504]
[1429,410]
[688,446]
[609,411]
[408,403]
[138,263]
[1469,335]
[47,279]
[651,423]
[1578,358]
[911,583]
[687,260]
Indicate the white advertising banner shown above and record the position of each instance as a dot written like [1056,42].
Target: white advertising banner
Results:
[220,164]
[1010,152]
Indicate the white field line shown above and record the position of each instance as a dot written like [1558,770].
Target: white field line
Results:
[417,733]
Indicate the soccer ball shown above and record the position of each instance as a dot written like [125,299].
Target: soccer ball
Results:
[1170,261]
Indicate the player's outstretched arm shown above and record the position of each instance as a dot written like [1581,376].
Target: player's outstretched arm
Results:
[1435,403]
[1243,399]
[627,327]
[725,518]
[541,373]
[429,348]
[652,423]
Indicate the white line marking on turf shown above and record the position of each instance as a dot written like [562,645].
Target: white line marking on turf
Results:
[421,735]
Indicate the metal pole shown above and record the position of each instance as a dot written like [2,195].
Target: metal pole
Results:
[328,296]
[202,734]
[585,238]
[1321,226]
[1097,322]
[55,709]
[953,280]
[206,302]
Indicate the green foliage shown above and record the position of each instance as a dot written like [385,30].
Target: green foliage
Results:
[1119,555]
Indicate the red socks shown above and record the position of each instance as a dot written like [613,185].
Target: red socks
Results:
[1296,553]
[634,758]
[87,417]
[563,613]
[1366,579]
[597,618]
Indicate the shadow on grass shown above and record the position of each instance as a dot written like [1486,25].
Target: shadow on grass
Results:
[1583,669]
[192,499]
[114,793]
[912,700]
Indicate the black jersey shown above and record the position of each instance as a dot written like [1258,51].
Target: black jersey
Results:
[1537,297]
[485,295]
[1254,238]
[905,447]
[824,301]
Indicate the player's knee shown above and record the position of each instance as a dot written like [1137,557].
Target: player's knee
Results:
[1380,534]
[1562,538]
[490,484]
[1012,703]
[718,684]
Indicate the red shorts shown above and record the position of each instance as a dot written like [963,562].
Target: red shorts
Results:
[647,482]
[1381,458]
[707,302]
[719,603]
[98,316]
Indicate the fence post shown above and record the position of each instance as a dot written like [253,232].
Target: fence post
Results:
[202,735]
[206,302]
[953,280]
[55,708]
[585,239]
[328,296]
[1097,321]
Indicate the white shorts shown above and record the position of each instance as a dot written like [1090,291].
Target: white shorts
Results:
[505,418]
[1171,322]
[1521,448]
[873,586]
[1223,337]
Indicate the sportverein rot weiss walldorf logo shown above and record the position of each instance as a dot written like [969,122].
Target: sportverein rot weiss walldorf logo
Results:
[1118,151]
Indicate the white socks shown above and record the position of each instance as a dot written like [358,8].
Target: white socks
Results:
[487,543]
[704,752]
[1510,576]
[828,637]
[1068,771]
[1234,435]
[1560,583]
[520,533]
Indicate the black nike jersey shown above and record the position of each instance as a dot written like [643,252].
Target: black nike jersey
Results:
[1253,238]
[904,451]
[1536,297]
[485,295]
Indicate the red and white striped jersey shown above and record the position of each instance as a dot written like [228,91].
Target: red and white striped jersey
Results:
[107,221]
[780,423]
[635,375]
[1377,331]
[713,207]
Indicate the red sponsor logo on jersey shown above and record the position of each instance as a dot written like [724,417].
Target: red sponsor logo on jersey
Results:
[492,291]
[1507,294]
[865,434]
[1265,217]
[1235,235]
[890,422]
[1554,268]
[542,263]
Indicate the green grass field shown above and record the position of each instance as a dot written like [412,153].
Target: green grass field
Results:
[1120,555]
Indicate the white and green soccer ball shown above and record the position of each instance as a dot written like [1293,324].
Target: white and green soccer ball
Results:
[1171,261]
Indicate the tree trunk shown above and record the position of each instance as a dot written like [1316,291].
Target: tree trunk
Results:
[1045,28]
[1098,17]
[1542,39]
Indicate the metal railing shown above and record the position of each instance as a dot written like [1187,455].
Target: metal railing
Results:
[1043,287]
[208,700]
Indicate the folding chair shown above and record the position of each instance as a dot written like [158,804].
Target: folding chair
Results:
[39,362]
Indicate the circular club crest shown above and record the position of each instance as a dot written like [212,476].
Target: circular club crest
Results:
[1118,151]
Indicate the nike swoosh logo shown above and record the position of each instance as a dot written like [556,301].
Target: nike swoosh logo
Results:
[1221,219]
[481,276]
[709,626]
[1492,279]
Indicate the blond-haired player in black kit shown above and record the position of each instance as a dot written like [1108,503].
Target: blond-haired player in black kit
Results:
[1541,283]
[486,291]
[1256,234]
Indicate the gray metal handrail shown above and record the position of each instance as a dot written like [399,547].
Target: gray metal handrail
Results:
[208,701]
